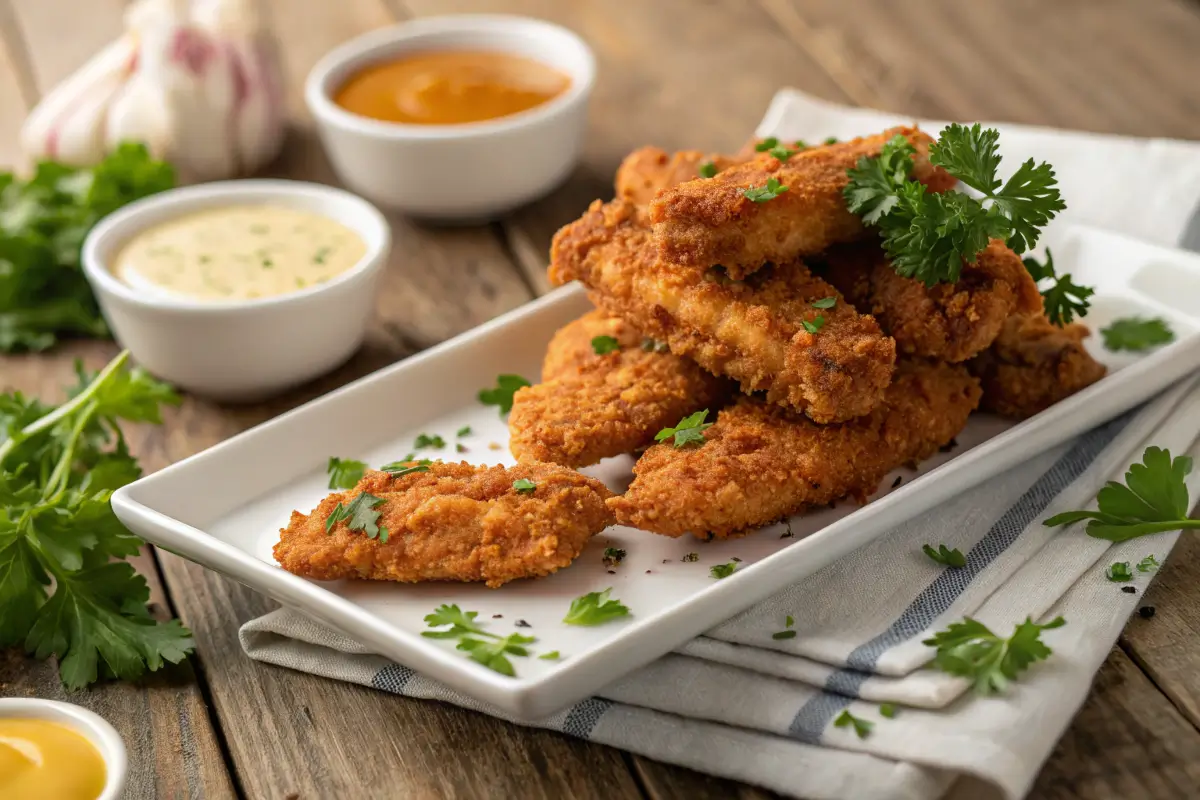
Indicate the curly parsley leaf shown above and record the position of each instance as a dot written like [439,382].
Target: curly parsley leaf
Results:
[502,395]
[720,571]
[344,473]
[929,235]
[360,515]
[970,650]
[862,727]
[1119,572]
[1136,334]
[494,654]
[761,194]
[603,345]
[524,486]
[595,608]
[689,430]
[944,555]
[1064,299]
[1153,499]
[460,622]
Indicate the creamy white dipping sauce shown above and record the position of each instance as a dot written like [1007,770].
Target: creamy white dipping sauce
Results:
[238,253]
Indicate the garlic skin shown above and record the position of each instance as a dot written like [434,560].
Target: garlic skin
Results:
[198,82]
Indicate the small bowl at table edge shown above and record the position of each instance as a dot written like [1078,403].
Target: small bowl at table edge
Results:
[88,724]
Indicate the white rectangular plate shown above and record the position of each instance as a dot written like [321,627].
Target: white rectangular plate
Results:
[223,508]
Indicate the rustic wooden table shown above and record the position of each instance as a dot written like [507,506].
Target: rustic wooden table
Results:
[673,73]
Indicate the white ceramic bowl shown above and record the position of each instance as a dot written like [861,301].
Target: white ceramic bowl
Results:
[91,726]
[471,171]
[240,349]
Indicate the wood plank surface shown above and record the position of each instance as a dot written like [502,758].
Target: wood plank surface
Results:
[677,74]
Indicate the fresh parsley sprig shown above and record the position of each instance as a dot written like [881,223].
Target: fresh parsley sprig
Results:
[944,555]
[58,468]
[689,430]
[492,651]
[862,728]
[595,608]
[502,395]
[761,194]
[1064,299]
[1153,499]
[524,486]
[361,514]
[1136,334]
[345,473]
[969,649]
[928,235]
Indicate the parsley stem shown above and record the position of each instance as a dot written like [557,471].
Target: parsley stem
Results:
[57,483]
[66,408]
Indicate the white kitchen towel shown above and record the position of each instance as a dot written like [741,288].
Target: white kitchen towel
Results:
[743,705]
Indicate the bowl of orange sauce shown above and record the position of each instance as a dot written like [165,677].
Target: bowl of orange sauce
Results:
[58,751]
[460,117]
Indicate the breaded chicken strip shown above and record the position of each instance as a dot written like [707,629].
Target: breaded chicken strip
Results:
[710,221]
[1033,364]
[591,407]
[647,170]
[752,331]
[948,321]
[453,522]
[760,463]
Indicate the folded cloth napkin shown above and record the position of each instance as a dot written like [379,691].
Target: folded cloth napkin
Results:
[741,704]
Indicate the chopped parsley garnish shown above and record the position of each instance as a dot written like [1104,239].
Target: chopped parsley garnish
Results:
[502,395]
[1119,572]
[970,650]
[761,194]
[320,255]
[789,621]
[553,655]
[1153,499]
[707,169]
[524,486]
[1064,300]
[824,303]
[800,144]
[817,323]
[1136,334]
[465,430]
[944,555]
[613,556]
[492,654]
[887,710]
[1148,564]
[459,447]
[720,571]
[690,558]
[766,144]
[359,515]
[830,140]
[400,469]
[782,153]
[425,440]
[689,430]
[594,608]
[344,473]
[603,345]
[784,635]
[928,235]
[862,727]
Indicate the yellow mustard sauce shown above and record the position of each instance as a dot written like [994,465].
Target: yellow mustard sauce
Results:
[238,253]
[450,88]
[41,760]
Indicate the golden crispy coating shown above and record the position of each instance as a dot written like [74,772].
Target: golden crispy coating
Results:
[1033,364]
[710,221]
[590,406]
[760,463]
[456,522]
[647,170]
[750,331]
[948,321]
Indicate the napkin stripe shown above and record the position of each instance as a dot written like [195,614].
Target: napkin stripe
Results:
[393,678]
[584,715]
[843,685]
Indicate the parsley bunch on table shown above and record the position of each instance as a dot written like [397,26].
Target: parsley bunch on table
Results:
[927,234]
[43,221]
[58,466]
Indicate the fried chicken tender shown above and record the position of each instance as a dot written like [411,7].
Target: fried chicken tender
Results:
[454,522]
[591,407]
[948,321]
[760,463]
[647,170]
[751,331]
[1033,364]
[710,221]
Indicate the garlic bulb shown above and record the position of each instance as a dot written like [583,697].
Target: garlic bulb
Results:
[197,82]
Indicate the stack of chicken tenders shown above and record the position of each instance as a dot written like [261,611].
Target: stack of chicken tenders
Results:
[820,367]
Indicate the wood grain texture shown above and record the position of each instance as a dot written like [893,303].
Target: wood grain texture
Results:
[1165,645]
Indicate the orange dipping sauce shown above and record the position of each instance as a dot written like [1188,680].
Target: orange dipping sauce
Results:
[450,88]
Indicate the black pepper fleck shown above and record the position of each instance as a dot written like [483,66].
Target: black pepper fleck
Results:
[522,624]
[648,571]
[898,481]
[735,558]
[1146,612]
[612,572]
[1128,590]
[946,448]
[497,616]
